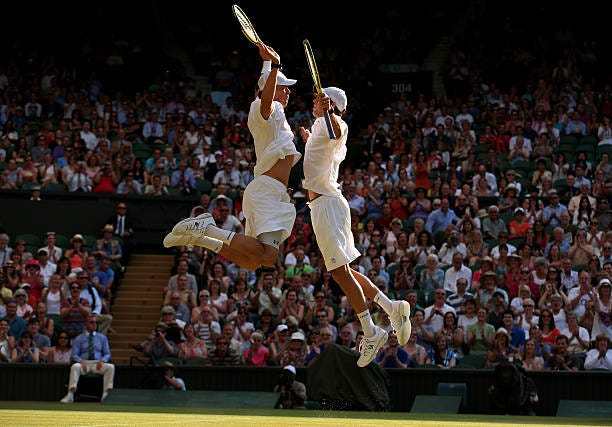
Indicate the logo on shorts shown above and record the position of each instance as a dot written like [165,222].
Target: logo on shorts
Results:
[333,260]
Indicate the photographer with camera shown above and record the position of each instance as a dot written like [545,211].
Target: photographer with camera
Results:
[79,180]
[157,347]
[452,246]
[292,392]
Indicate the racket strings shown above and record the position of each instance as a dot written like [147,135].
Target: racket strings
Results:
[247,28]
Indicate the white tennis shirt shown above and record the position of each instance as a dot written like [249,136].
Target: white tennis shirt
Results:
[322,158]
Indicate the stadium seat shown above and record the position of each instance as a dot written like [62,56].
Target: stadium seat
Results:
[204,186]
[436,404]
[30,239]
[174,360]
[62,241]
[474,361]
[453,389]
[90,240]
[391,269]
[56,187]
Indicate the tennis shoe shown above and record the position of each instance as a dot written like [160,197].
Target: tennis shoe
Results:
[68,398]
[400,320]
[368,347]
[172,239]
[194,226]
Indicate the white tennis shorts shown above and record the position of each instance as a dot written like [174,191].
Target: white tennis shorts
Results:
[267,207]
[331,222]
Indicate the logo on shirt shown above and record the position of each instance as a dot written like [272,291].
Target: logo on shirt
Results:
[333,260]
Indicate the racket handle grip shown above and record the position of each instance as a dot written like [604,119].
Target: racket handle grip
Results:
[330,128]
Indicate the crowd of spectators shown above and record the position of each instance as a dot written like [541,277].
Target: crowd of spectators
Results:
[486,207]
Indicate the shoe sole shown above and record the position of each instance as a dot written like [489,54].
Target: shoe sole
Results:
[172,240]
[403,335]
[379,344]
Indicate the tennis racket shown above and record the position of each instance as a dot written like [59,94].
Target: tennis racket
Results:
[314,72]
[245,24]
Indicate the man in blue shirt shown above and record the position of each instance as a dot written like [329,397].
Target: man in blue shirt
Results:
[16,324]
[91,353]
[440,219]
[392,355]
[517,334]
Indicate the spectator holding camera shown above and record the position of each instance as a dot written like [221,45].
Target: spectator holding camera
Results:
[434,314]
[157,347]
[79,180]
[106,179]
[452,246]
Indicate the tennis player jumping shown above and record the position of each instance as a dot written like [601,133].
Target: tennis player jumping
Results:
[267,208]
[331,222]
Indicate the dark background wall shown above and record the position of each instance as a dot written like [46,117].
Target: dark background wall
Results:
[86,213]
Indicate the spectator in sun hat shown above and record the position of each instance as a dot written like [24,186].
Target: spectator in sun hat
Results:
[107,247]
[228,175]
[77,253]
[24,309]
[34,278]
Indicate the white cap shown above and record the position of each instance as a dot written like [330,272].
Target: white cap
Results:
[291,369]
[521,210]
[297,336]
[282,327]
[338,96]
[281,79]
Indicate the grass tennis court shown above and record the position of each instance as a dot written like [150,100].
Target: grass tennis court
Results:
[84,414]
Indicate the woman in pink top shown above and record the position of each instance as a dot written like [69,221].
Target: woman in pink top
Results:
[258,354]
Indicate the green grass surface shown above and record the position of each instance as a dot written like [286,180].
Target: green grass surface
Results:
[95,414]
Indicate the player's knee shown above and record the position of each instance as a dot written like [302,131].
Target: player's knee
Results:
[341,274]
[268,257]
[268,260]
[251,264]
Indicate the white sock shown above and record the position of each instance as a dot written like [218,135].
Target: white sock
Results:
[366,323]
[384,302]
[220,234]
[212,244]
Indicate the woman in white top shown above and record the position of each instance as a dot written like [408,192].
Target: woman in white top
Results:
[54,295]
[62,352]
[218,299]
[47,171]
[602,305]
[528,318]
[7,342]
[604,133]
[423,248]
[470,315]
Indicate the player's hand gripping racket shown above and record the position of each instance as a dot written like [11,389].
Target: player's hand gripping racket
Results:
[245,23]
[314,72]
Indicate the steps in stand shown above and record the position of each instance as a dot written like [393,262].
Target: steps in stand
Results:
[137,304]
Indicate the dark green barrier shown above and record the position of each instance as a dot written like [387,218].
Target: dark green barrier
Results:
[48,383]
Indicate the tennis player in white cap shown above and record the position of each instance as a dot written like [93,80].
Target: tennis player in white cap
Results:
[266,205]
[331,221]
